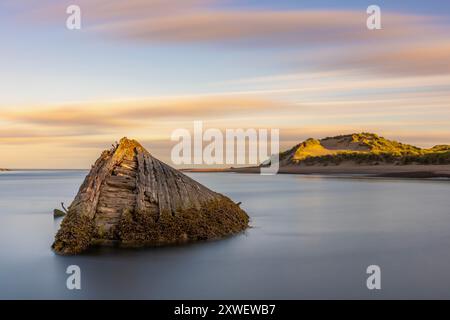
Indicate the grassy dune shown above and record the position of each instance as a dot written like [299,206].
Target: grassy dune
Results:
[362,149]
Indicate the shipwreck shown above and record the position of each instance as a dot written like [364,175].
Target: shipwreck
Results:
[129,198]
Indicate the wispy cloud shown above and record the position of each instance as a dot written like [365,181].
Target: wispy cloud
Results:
[261,27]
[420,56]
[113,115]
[407,45]
[98,11]
[203,21]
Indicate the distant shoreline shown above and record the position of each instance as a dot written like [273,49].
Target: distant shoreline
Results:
[374,171]
[12,170]
[385,171]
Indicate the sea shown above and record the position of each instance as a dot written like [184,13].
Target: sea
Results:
[311,237]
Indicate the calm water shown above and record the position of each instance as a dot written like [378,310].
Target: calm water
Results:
[312,237]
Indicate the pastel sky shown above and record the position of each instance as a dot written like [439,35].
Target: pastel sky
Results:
[143,68]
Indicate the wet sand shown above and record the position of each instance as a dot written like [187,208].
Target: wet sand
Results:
[400,171]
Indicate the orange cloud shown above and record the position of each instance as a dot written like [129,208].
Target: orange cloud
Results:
[407,44]
[427,57]
[176,21]
[124,114]
[262,27]
[98,11]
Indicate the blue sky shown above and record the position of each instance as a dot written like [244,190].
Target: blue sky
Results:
[38,55]
[312,66]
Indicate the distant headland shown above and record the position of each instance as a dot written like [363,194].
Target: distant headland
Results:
[360,153]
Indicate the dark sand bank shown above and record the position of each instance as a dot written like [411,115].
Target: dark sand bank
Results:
[400,171]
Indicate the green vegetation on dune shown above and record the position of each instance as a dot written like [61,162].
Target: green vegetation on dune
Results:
[370,158]
[440,148]
[377,144]
[362,148]
[311,148]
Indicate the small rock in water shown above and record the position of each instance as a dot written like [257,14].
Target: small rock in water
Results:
[58,213]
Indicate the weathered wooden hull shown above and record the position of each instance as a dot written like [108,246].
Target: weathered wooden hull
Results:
[131,198]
